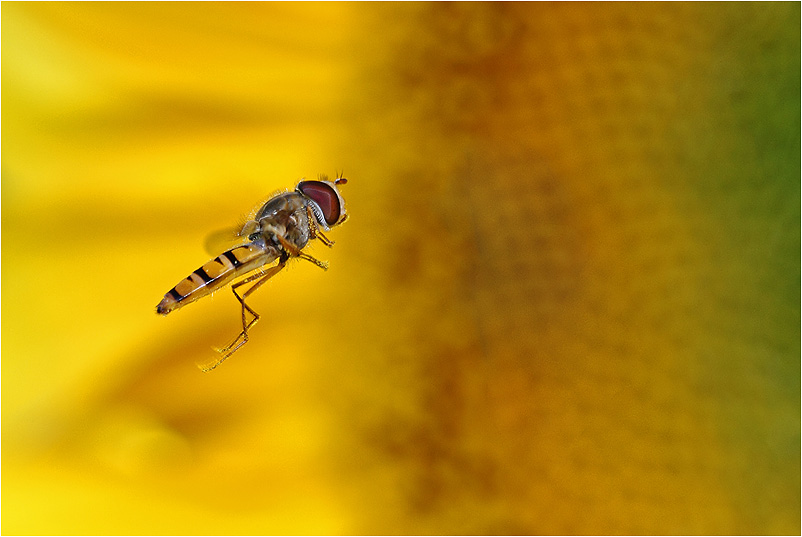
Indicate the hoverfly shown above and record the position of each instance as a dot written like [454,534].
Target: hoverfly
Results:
[278,230]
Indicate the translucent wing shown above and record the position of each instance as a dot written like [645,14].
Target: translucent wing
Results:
[225,239]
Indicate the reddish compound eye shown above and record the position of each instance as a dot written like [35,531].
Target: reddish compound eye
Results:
[325,196]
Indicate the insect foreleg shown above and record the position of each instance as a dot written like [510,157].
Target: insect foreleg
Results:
[314,230]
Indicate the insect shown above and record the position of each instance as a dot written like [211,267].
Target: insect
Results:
[278,230]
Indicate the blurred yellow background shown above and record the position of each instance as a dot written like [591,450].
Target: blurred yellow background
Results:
[567,299]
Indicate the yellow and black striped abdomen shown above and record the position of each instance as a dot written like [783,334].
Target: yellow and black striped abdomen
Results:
[215,274]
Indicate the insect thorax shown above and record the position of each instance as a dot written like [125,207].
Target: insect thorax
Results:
[284,216]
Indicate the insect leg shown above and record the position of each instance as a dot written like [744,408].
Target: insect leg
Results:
[296,252]
[322,264]
[315,230]
[242,337]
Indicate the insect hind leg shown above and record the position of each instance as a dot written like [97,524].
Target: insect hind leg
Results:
[242,337]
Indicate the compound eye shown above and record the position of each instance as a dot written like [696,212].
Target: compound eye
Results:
[325,196]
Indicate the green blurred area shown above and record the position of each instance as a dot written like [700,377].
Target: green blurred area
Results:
[567,300]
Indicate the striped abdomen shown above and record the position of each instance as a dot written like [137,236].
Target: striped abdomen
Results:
[215,274]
